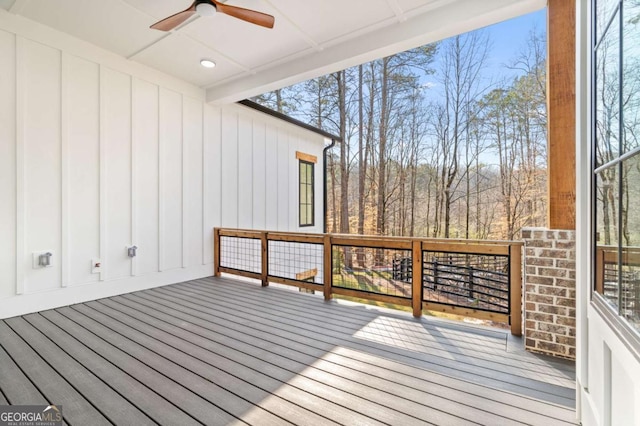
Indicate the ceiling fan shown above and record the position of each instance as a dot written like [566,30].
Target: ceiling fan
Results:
[209,8]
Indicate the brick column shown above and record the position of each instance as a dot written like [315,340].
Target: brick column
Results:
[550,291]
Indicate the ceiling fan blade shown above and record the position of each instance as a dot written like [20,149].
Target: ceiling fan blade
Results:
[167,24]
[248,15]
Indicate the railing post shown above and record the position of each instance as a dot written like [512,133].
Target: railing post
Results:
[515,289]
[416,279]
[264,240]
[327,268]
[216,252]
[600,270]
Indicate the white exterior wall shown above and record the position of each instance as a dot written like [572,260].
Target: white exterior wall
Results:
[98,153]
[608,373]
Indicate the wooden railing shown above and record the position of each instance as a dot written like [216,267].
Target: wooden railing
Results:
[479,279]
[617,278]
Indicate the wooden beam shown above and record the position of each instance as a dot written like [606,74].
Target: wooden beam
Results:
[561,114]
[305,275]
[306,157]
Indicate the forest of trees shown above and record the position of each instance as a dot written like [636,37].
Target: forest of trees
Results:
[434,145]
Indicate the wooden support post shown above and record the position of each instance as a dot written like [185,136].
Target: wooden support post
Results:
[264,242]
[515,291]
[416,277]
[561,114]
[327,268]
[216,252]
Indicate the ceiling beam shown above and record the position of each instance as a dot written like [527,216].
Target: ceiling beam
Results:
[449,19]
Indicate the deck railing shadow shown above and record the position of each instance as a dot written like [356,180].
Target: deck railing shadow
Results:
[478,279]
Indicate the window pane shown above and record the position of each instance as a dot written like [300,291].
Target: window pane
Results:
[604,11]
[303,193]
[607,202]
[305,199]
[631,76]
[303,175]
[630,255]
[309,214]
[607,96]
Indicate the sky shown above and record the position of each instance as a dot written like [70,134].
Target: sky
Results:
[511,36]
[508,38]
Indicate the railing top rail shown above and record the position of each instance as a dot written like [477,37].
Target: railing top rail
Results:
[282,235]
[630,255]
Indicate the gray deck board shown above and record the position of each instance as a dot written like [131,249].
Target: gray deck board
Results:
[250,383]
[221,351]
[157,408]
[264,329]
[16,387]
[52,385]
[433,343]
[113,406]
[195,392]
[461,367]
[283,369]
[363,376]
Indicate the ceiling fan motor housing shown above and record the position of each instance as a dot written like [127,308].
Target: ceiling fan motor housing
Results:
[205,8]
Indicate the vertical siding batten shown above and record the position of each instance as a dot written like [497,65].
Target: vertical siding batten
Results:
[185,182]
[104,269]
[8,258]
[134,176]
[64,175]
[160,186]
[20,208]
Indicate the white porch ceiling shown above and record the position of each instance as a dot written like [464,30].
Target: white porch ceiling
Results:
[310,38]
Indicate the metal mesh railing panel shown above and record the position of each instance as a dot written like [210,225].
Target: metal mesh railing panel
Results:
[242,254]
[296,261]
[370,270]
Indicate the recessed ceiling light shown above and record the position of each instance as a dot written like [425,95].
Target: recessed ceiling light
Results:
[207,63]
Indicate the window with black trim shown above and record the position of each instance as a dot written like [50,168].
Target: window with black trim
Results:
[306,195]
[616,155]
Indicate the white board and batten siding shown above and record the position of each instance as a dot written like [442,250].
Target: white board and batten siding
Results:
[98,153]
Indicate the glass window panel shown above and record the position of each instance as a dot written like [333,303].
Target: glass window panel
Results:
[306,193]
[309,214]
[607,205]
[303,216]
[607,96]
[604,11]
[303,192]
[631,75]
[630,252]
[303,176]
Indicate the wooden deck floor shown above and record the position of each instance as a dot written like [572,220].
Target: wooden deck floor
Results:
[220,351]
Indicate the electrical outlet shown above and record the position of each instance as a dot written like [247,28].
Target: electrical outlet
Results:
[96,266]
[42,259]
